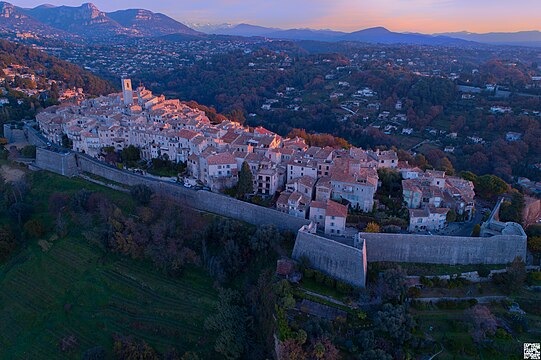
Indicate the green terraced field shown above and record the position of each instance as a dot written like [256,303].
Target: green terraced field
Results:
[74,289]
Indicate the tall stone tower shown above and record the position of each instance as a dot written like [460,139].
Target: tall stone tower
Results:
[127,92]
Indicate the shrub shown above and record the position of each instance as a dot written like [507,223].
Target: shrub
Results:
[536,275]
[455,304]
[329,281]
[361,315]
[320,277]
[426,281]
[414,292]
[343,287]
[34,228]
[502,334]
[29,151]
[534,243]
[309,273]
[483,272]
[372,227]
[421,305]
[530,306]
[141,194]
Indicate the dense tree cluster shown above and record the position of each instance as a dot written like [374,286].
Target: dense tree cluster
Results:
[230,322]
[321,140]
[228,246]
[22,106]
[50,67]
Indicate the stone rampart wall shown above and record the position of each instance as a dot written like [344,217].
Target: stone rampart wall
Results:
[343,262]
[452,250]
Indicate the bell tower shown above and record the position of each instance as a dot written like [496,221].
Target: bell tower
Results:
[127,92]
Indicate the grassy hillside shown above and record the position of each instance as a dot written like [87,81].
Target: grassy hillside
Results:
[75,289]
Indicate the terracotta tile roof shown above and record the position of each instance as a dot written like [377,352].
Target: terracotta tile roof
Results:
[186,134]
[221,159]
[318,204]
[230,136]
[306,181]
[336,209]
[324,182]
[283,198]
[262,131]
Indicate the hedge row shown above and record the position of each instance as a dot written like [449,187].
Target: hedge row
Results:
[329,281]
[444,304]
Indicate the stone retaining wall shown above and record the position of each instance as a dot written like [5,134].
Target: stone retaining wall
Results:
[73,163]
[338,260]
[452,250]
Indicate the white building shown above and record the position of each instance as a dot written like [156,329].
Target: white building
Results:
[329,216]
[358,190]
[428,218]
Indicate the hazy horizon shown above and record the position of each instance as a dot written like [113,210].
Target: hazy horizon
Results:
[425,16]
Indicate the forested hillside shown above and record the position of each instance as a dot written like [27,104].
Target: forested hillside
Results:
[31,80]
[52,68]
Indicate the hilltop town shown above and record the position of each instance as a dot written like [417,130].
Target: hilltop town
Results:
[246,192]
[310,182]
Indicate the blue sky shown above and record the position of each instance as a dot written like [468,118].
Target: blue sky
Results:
[400,15]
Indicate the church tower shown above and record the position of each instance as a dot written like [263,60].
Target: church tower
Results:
[127,92]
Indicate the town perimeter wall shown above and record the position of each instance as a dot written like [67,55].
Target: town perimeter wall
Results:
[201,200]
[452,250]
[34,137]
[338,260]
[59,162]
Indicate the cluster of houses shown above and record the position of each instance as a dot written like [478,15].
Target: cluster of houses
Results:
[39,85]
[317,183]
[431,195]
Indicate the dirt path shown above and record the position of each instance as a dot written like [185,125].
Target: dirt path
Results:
[11,174]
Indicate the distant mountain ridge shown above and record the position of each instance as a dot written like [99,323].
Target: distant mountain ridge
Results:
[15,20]
[525,38]
[87,21]
[372,35]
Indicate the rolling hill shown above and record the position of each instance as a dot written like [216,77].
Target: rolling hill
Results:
[520,38]
[87,21]
[379,35]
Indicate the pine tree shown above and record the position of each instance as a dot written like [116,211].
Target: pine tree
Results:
[246,181]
